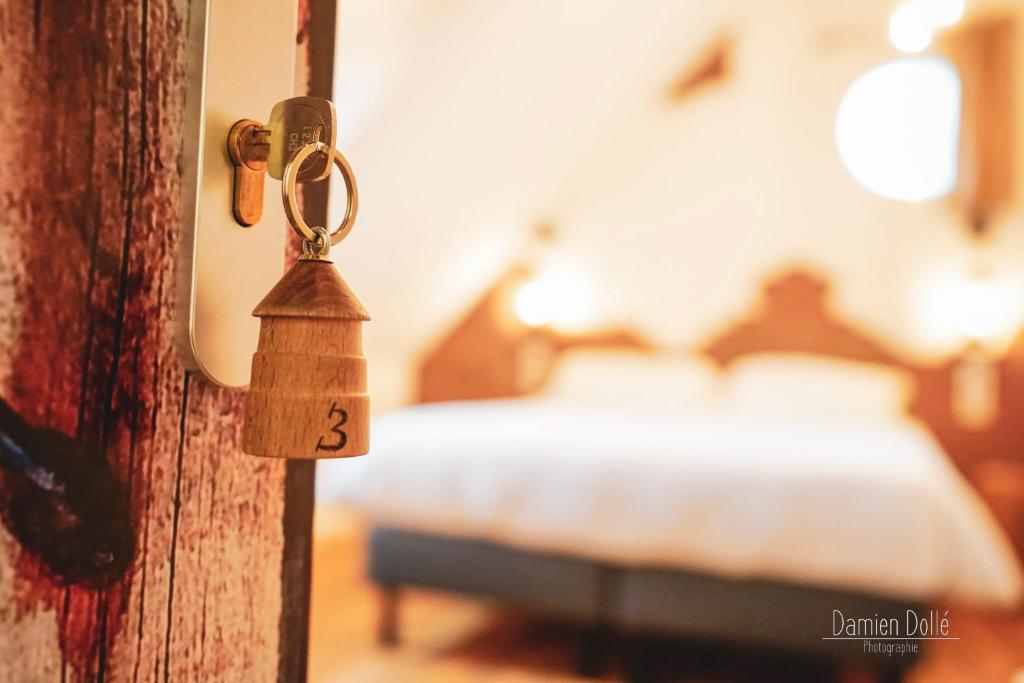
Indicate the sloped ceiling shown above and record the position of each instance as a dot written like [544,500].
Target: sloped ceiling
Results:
[463,119]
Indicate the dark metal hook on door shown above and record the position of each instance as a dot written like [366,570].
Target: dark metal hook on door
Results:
[63,503]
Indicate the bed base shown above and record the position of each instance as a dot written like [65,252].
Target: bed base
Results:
[649,605]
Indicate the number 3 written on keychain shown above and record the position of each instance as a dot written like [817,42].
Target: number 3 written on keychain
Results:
[342,439]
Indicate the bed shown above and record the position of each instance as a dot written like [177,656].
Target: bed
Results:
[745,494]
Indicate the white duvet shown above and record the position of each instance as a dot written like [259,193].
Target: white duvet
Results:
[872,505]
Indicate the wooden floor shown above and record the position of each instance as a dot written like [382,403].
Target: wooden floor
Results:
[453,639]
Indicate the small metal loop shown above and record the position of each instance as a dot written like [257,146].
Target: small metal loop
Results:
[291,206]
[318,248]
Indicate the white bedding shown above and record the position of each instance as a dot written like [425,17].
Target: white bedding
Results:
[872,505]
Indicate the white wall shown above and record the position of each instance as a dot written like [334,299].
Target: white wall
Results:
[467,122]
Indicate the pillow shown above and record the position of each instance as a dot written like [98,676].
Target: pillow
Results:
[798,385]
[629,378]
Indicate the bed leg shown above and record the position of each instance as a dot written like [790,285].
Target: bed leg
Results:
[387,626]
[593,651]
[640,663]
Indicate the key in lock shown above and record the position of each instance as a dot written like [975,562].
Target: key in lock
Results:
[256,149]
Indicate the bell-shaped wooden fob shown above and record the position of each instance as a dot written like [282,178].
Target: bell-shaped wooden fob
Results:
[307,396]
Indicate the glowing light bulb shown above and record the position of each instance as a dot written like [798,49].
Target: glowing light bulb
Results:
[985,308]
[910,28]
[560,296]
[954,307]
[532,305]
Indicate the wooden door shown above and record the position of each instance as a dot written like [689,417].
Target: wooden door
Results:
[202,567]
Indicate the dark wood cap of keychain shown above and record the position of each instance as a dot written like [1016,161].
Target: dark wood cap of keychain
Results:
[308,396]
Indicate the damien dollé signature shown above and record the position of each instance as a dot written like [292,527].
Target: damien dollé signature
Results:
[933,625]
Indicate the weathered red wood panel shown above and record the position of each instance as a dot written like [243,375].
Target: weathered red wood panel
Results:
[91,101]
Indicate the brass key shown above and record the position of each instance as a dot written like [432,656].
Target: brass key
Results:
[256,149]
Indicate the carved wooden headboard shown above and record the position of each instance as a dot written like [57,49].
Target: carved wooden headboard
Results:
[482,356]
[793,314]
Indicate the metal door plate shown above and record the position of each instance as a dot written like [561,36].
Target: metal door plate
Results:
[223,268]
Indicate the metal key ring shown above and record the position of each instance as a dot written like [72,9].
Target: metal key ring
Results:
[291,206]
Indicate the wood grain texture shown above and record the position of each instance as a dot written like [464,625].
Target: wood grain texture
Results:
[91,97]
[307,396]
[312,289]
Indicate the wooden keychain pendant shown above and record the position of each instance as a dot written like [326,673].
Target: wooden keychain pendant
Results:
[308,394]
